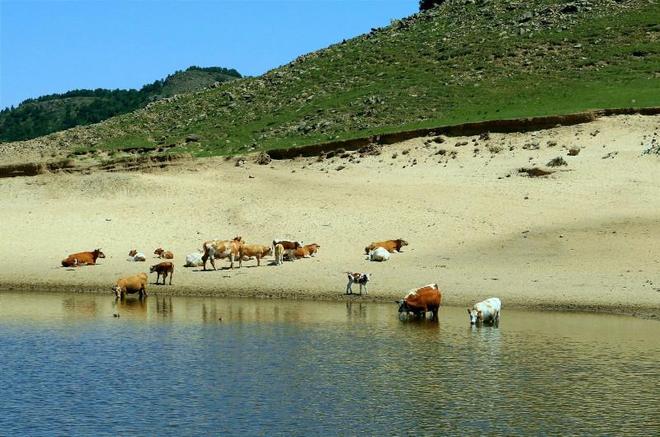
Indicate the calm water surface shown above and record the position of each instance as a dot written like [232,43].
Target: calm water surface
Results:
[170,366]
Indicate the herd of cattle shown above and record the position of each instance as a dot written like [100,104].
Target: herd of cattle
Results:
[417,302]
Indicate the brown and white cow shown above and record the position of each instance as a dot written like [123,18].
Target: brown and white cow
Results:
[358,278]
[132,284]
[288,245]
[82,258]
[162,253]
[421,300]
[312,249]
[389,245]
[136,256]
[219,249]
[249,251]
[164,269]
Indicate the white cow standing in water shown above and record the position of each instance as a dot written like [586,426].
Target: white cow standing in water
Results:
[486,311]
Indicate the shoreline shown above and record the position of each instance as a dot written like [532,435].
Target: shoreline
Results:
[648,312]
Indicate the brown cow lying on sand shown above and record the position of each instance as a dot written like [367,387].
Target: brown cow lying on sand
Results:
[162,253]
[421,300]
[82,258]
[294,254]
[164,269]
[312,249]
[219,249]
[389,245]
[248,251]
[132,284]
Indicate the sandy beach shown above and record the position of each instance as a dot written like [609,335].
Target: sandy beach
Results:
[583,238]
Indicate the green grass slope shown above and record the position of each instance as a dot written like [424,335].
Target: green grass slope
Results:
[55,112]
[467,60]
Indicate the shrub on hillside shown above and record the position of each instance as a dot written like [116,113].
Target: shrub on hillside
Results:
[428,4]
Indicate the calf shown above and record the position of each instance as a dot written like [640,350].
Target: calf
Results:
[136,256]
[162,253]
[164,269]
[82,258]
[132,284]
[421,300]
[486,311]
[379,254]
[253,250]
[360,278]
[279,254]
[389,245]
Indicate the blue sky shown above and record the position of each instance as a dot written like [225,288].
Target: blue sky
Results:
[58,45]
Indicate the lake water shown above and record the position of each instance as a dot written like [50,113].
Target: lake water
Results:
[169,366]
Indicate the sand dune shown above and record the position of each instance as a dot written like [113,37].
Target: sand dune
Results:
[584,237]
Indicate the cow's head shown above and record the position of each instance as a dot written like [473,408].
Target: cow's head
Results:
[116,290]
[268,251]
[402,242]
[159,251]
[153,268]
[403,306]
[475,316]
[99,254]
[133,252]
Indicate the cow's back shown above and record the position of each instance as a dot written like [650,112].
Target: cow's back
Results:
[428,297]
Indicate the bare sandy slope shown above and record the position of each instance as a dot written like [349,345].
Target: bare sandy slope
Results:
[585,237]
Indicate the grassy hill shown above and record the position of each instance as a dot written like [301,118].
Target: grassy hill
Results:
[55,112]
[467,60]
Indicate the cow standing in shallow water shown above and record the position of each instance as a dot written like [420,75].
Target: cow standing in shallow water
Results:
[132,284]
[486,311]
[82,258]
[421,300]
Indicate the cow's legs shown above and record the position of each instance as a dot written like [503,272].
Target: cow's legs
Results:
[171,276]
[349,289]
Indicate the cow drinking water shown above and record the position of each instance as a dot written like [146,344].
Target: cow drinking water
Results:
[421,300]
[486,311]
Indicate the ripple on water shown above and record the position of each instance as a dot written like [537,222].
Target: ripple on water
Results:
[167,366]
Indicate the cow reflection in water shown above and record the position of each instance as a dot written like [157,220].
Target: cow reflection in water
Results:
[358,310]
[132,305]
[164,306]
[420,301]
